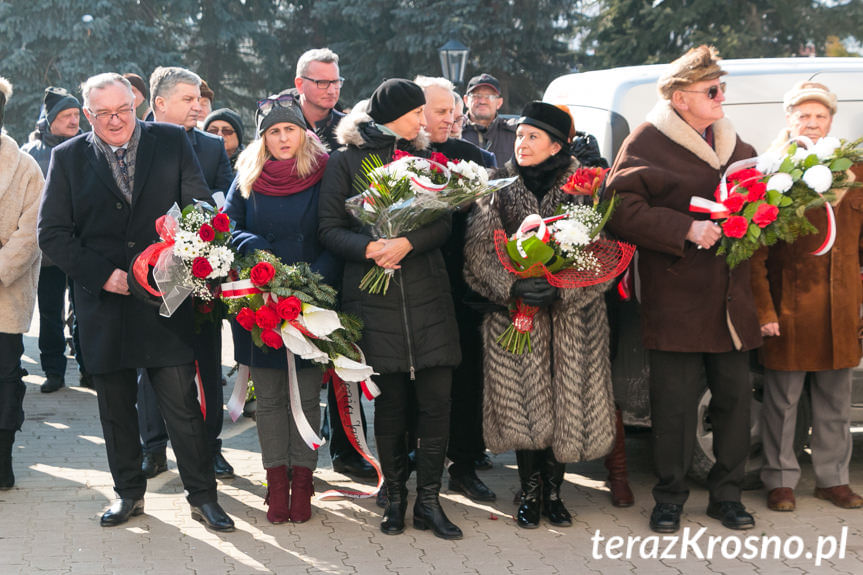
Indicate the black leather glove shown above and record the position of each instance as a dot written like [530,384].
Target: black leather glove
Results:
[534,291]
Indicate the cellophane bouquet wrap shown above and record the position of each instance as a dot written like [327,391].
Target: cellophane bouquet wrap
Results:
[409,193]
[567,249]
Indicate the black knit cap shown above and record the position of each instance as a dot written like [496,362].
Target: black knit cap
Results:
[229,116]
[395,98]
[556,122]
[56,100]
[290,113]
[139,83]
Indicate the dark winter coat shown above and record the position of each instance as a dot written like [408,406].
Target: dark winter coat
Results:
[413,326]
[498,138]
[89,229]
[690,300]
[286,226]
[559,394]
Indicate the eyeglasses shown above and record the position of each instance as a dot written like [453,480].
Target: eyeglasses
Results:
[108,116]
[267,104]
[224,131]
[489,97]
[325,84]
[711,92]
[460,121]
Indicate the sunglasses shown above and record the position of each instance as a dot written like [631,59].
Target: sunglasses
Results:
[224,131]
[711,92]
[267,104]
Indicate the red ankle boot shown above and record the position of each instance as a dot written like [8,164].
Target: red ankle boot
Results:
[301,501]
[278,495]
[615,462]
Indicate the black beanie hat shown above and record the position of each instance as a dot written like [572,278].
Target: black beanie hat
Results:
[556,122]
[229,116]
[278,114]
[395,98]
[56,100]
[139,84]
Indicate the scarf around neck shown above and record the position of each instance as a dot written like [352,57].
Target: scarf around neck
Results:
[279,177]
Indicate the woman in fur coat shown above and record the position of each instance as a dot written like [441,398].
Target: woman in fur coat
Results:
[553,404]
[410,335]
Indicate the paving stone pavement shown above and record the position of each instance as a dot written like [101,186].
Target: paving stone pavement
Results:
[49,523]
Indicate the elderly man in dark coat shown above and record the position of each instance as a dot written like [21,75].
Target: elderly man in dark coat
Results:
[104,192]
[698,315]
[809,309]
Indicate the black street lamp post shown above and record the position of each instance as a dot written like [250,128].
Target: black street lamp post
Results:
[453,56]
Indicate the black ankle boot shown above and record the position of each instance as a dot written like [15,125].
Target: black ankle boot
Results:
[7,478]
[552,479]
[527,515]
[393,454]
[428,513]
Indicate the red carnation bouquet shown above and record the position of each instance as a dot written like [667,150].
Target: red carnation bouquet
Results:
[566,248]
[193,257]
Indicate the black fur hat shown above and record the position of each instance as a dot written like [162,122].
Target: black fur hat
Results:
[553,120]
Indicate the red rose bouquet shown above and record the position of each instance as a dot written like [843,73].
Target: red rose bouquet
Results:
[566,249]
[410,192]
[194,256]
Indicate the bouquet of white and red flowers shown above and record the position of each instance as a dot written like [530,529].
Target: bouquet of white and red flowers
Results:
[193,258]
[764,200]
[566,249]
[410,192]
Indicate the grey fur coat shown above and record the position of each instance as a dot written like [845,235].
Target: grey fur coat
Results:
[558,395]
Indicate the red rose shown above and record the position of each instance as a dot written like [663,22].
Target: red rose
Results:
[765,214]
[206,233]
[585,181]
[246,318]
[222,223]
[233,275]
[399,154]
[289,308]
[272,339]
[756,191]
[201,267]
[262,273]
[439,158]
[735,226]
[267,318]
[734,202]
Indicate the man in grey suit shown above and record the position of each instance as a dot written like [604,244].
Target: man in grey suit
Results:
[104,192]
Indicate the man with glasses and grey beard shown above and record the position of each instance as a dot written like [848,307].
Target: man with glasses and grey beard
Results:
[485,128]
[104,192]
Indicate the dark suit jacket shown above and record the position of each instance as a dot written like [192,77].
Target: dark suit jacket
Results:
[214,160]
[88,229]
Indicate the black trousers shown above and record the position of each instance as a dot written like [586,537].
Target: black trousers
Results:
[208,352]
[12,389]
[175,390]
[466,444]
[51,293]
[676,380]
[393,407]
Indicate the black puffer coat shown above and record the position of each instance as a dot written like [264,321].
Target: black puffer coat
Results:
[413,326]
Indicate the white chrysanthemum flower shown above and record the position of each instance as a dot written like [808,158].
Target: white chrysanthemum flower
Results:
[800,155]
[826,147]
[780,182]
[571,234]
[768,162]
[819,178]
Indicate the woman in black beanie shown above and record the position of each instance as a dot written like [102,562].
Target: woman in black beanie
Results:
[410,335]
[552,404]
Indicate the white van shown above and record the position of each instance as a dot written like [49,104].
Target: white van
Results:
[611,103]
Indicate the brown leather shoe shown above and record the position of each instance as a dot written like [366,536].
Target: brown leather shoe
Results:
[840,496]
[781,499]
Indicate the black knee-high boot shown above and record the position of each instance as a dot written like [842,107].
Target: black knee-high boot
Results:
[428,513]
[527,515]
[393,453]
[552,478]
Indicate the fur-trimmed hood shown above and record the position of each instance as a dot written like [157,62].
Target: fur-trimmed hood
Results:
[666,120]
[353,128]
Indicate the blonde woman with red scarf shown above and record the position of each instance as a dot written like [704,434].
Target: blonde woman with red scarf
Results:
[274,202]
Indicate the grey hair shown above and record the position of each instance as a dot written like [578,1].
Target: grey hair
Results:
[164,80]
[101,81]
[457,97]
[426,82]
[324,55]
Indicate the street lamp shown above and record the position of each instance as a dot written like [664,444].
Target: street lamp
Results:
[453,56]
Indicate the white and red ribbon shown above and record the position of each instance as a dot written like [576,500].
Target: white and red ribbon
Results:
[701,205]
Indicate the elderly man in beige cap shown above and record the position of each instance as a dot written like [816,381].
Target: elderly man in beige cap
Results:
[809,310]
[698,316]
